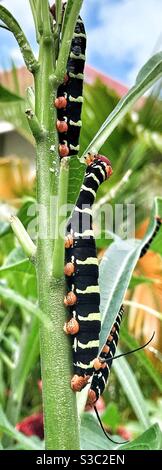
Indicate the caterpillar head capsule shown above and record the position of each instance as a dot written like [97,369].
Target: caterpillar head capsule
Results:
[70,299]
[68,241]
[92,157]
[69,269]
[62,126]
[71,327]
[60,102]
[63,150]
[78,382]
[91,400]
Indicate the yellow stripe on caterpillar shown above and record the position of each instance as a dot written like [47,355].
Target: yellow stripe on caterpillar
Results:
[86,233]
[90,190]
[90,317]
[89,345]
[90,260]
[89,290]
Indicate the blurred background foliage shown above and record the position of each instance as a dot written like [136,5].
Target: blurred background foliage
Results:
[135,150]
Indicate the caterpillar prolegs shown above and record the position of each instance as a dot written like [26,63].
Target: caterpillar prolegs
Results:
[81,270]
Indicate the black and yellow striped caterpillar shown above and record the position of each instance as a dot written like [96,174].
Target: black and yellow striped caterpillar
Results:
[81,270]
[103,363]
[69,95]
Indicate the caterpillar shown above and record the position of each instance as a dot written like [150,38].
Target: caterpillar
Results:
[81,270]
[102,365]
[69,95]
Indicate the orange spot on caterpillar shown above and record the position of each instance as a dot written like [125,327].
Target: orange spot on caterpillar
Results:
[90,157]
[109,171]
[98,364]
[60,102]
[110,338]
[71,327]
[78,382]
[70,299]
[106,349]
[66,78]
[62,126]
[69,269]
[91,400]
[63,150]
[68,241]
[113,329]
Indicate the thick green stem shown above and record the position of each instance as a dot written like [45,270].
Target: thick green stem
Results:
[66,41]
[20,37]
[60,413]
[59,250]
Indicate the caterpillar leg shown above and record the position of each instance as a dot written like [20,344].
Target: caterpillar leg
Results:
[71,327]
[78,382]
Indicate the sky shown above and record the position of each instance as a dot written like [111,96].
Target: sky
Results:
[122,35]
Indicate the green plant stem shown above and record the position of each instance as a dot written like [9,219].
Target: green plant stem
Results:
[59,250]
[47,32]
[59,402]
[66,42]
[34,13]
[39,17]
[20,37]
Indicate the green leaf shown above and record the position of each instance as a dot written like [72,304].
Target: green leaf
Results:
[92,436]
[147,76]
[7,428]
[14,113]
[16,299]
[131,389]
[144,360]
[111,416]
[149,440]
[22,214]
[116,269]
[23,266]
[7,96]
[76,175]
[136,280]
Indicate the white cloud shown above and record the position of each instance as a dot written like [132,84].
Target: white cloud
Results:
[128,31]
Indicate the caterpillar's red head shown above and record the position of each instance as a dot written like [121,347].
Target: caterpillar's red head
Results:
[92,158]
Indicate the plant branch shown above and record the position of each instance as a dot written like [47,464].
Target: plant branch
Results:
[66,42]
[39,17]
[47,31]
[20,37]
[34,13]
[59,250]
[23,237]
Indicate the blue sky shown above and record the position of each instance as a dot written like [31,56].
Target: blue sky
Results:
[122,34]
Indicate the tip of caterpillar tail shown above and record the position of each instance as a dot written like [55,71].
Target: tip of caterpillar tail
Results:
[78,382]
[71,327]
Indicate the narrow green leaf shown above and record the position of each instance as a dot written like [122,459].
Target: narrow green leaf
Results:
[131,389]
[136,280]
[7,428]
[16,299]
[92,436]
[131,343]
[6,96]
[116,269]
[147,76]
[149,440]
